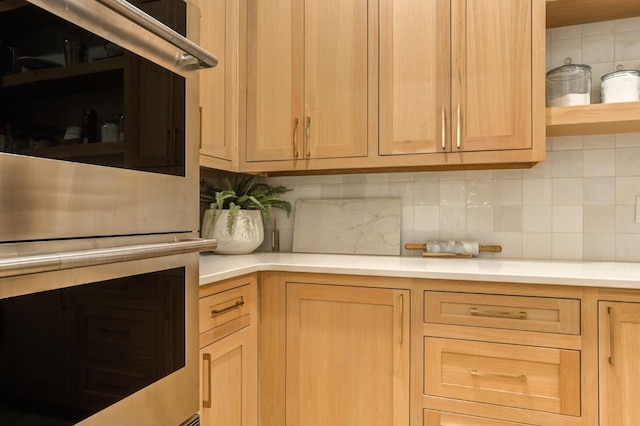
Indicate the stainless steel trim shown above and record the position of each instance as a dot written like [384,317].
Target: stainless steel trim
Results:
[78,259]
[126,9]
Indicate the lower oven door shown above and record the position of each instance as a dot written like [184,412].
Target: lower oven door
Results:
[107,344]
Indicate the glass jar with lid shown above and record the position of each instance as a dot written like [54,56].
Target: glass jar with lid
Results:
[569,85]
[620,86]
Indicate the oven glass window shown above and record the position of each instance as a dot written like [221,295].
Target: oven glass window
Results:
[70,95]
[67,354]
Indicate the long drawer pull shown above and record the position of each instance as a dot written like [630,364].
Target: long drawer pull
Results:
[497,376]
[498,314]
[216,312]
[611,337]
[206,380]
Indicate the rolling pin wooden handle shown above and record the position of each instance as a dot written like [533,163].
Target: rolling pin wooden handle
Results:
[494,249]
[413,246]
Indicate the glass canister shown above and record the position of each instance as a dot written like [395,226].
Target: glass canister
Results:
[569,85]
[620,86]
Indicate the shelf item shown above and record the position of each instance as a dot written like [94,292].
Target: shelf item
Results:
[561,13]
[594,119]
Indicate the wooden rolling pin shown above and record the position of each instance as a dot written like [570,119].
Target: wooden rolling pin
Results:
[472,248]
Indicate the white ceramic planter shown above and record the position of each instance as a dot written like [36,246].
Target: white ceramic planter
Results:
[246,235]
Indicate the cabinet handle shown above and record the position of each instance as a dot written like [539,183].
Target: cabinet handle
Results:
[444,133]
[206,380]
[295,137]
[308,137]
[477,373]
[216,312]
[401,318]
[200,127]
[498,314]
[458,129]
[611,341]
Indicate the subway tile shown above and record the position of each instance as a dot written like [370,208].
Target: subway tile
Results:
[599,219]
[403,190]
[507,174]
[627,140]
[408,218]
[452,222]
[310,191]
[353,190]
[426,192]
[400,177]
[511,243]
[376,189]
[566,143]
[453,175]
[567,164]
[600,191]
[627,24]
[598,28]
[626,45]
[541,170]
[479,219]
[566,32]
[625,221]
[479,193]
[599,141]
[597,48]
[627,247]
[330,190]
[426,218]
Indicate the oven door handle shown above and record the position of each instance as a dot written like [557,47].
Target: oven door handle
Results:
[132,13]
[78,259]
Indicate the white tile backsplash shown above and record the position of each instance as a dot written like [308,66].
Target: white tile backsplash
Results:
[577,205]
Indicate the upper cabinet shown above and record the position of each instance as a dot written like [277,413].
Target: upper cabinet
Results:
[220,86]
[595,118]
[470,87]
[307,80]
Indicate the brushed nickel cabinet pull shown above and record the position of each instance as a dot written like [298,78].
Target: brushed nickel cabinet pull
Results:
[444,133]
[308,138]
[458,129]
[295,137]
[477,373]
[611,341]
[401,317]
[206,380]
[216,312]
[498,314]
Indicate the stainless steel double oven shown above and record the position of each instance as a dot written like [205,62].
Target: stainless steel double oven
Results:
[99,129]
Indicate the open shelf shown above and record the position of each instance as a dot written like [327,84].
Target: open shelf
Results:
[594,119]
[561,13]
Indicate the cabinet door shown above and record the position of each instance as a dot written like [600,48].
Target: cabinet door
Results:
[347,356]
[274,79]
[492,78]
[619,334]
[228,389]
[336,78]
[219,31]
[414,76]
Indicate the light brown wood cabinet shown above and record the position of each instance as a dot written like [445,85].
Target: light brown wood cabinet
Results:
[619,345]
[333,353]
[228,352]
[460,76]
[219,28]
[308,78]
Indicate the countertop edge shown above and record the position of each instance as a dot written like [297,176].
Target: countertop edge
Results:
[214,268]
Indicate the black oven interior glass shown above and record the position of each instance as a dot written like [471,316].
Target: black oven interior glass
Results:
[69,353]
[67,94]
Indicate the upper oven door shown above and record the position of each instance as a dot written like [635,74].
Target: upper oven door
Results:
[99,122]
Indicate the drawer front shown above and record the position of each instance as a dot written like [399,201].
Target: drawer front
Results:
[437,418]
[220,308]
[542,314]
[535,378]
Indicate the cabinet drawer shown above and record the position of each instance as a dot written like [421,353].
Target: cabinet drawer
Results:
[437,418]
[536,378]
[221,308]
[542,314]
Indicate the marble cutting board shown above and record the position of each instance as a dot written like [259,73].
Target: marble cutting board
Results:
[348,226]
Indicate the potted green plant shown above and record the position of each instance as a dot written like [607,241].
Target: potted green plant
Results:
[237,211]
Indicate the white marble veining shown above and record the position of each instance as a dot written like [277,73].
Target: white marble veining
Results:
[348,226]
[595,274]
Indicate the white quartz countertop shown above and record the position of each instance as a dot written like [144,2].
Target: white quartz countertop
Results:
[215,267]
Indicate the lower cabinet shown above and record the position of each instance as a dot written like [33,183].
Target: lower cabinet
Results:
[333,353]
[619,345]
[228,353]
